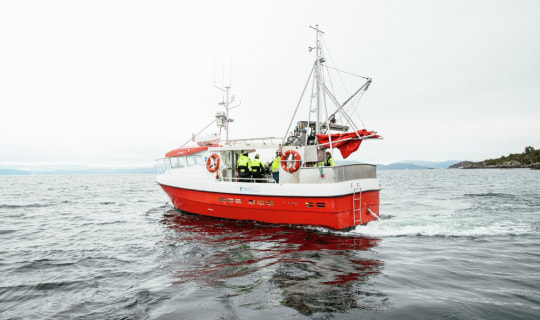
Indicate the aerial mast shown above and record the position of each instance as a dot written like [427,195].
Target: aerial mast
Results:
[222,118]
[318,60]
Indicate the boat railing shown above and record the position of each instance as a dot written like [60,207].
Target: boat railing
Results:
[349,172]
[334,174]
[253,180]
[256,142]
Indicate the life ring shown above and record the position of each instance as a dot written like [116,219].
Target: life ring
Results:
[285,159]
[212,164]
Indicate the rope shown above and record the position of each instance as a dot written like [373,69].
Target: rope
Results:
[373,214]
[198,133]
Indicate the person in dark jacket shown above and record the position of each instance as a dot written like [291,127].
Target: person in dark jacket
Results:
[244,167]
[257,168]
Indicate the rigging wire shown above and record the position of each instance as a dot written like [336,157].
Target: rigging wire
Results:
[327,122]
[354,106]
[326,67]
[346,116]
[298,105]
[349,73]
[334,63]
[197,134]
[311,97]
[351,108]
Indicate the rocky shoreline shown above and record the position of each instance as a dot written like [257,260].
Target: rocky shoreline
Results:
[530,159]
[512,164]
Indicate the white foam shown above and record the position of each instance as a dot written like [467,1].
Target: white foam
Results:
[389,228]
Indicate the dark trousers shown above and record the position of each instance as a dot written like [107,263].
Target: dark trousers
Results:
[244,175]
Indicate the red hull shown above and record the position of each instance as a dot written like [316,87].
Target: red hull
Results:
[333,212]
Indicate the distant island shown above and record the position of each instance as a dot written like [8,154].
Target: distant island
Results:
[416,165]
[13,172]
[530,158]
[82,170]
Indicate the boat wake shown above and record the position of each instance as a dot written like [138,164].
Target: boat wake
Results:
[449,226]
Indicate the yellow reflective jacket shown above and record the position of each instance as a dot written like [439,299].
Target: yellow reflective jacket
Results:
[328,163]
[257,166]
[275,164]
[244,163]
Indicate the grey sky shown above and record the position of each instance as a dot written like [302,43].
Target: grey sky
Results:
[123,82]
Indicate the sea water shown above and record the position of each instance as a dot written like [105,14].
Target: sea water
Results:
[451,244]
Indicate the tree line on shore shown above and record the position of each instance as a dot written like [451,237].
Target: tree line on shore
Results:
[529,158]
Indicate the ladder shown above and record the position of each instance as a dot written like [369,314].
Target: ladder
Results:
[357,205]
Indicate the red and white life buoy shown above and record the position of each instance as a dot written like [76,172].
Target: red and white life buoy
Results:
[212,164]
[296,160]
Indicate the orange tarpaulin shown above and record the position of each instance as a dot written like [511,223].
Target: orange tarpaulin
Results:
[347,143]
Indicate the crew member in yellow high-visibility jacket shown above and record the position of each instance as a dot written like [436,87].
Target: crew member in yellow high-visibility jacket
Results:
[257,168]
[275,166]
[329,162]
[244,167]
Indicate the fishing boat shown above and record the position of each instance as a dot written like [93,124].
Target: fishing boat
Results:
[202,176]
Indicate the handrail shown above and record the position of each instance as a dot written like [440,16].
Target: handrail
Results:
[249,180]
[256,142]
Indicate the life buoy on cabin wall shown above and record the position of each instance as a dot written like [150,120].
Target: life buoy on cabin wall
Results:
[212,164]
[285,159]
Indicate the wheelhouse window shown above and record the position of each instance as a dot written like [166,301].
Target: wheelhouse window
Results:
[186,161]
[178,162]
[194,161]
[163,165]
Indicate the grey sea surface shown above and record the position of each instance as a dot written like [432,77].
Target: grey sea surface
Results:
[452,244]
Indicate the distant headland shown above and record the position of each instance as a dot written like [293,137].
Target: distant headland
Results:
[82,170]
[530,158]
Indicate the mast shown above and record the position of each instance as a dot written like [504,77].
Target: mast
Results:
[226,103]
[318,79]
[222,118]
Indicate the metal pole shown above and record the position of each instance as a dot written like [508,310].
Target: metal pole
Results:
[227,114]
[317,79]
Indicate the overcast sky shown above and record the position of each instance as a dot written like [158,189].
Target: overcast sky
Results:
[123,82]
